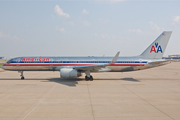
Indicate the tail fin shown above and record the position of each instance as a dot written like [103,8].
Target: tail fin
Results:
[157,48]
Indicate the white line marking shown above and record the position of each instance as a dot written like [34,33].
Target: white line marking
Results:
[39,102]
[14,93]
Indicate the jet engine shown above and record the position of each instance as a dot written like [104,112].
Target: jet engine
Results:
[69,73]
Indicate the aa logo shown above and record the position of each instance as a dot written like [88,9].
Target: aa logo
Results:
[156,48]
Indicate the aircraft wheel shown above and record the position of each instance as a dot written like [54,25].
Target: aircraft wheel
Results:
[91,78]
[86,78]
[22,78]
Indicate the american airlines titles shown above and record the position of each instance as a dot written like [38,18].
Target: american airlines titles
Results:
[35,59]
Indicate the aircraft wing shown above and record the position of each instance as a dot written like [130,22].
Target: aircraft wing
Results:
[161,62]
[90,67]
[97,67]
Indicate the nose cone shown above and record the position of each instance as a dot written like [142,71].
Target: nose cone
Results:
[2,67]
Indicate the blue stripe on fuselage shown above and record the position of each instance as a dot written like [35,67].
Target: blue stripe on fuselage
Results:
[77,62]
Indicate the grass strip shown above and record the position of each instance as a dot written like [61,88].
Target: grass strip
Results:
[1,64]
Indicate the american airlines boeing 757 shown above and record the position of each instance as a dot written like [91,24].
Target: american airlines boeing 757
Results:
[72,67]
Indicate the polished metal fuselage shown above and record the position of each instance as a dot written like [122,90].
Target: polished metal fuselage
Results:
[123,64]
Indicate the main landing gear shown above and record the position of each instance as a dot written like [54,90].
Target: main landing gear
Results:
[88,76]
[22,76]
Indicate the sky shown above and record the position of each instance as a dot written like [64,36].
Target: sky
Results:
[86,28]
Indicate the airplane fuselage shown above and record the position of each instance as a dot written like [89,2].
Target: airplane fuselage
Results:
[123,64]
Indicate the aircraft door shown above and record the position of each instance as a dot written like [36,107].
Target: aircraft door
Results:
[140,62]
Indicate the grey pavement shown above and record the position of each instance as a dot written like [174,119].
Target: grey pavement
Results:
[152,94]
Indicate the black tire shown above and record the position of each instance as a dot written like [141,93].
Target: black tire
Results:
[91,78]
[86,78]
[22,78]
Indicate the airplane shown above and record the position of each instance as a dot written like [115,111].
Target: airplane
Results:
[73,67]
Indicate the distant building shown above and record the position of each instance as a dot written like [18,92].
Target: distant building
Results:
[1,57]
[173,57]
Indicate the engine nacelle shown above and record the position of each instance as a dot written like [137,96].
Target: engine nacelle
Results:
[69,73]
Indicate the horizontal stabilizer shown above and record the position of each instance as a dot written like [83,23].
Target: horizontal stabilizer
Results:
[160,62]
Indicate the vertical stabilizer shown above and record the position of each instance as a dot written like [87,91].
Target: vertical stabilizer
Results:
[157,48]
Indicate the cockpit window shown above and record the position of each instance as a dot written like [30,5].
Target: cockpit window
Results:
[9,61]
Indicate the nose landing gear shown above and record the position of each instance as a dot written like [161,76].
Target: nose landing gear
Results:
[22,76]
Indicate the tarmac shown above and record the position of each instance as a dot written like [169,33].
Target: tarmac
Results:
[152,94]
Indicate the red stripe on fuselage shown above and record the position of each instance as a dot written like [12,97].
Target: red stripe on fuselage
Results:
[70,64]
